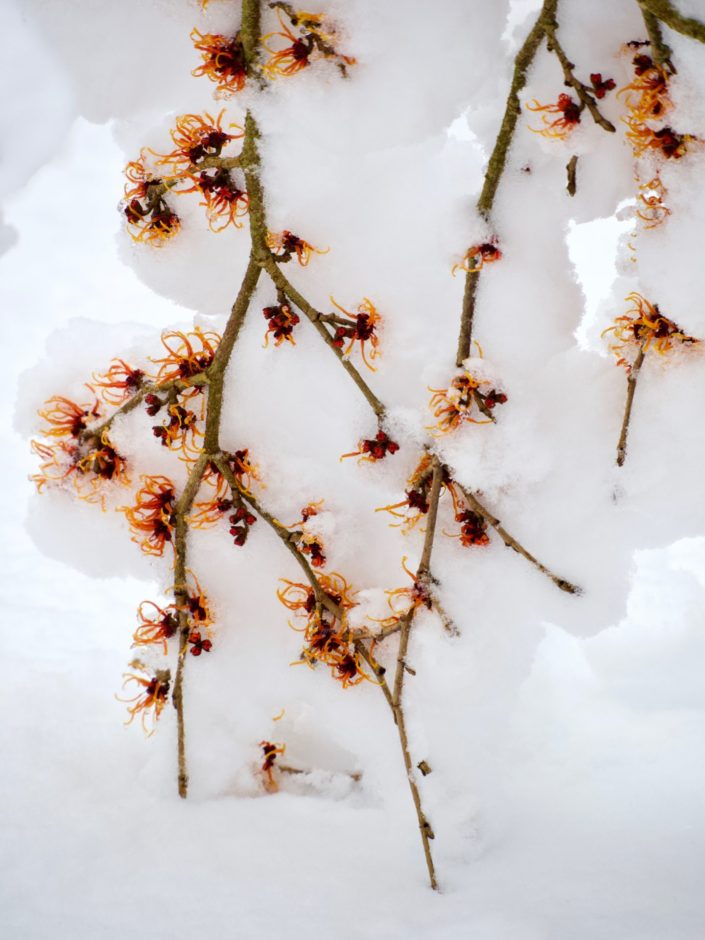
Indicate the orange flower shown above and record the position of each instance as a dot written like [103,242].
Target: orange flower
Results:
[362,329]
[195,139]
[281,320]
[462,401]
[414,507]
[149,218]
[223,62]
[476,257]
[188,354]
[324,630]
[180,432]
[301,598]
[644,326]
[370,450]
[646,96]
[270,753]
[666,142]
[150,699]
[196,606]
[225,202]
[473,526]
[88,465]
[568,112]
[652,209]
[119,383]
[157,625]
[151,519]
[65,418]
[417,595]
[315,40]
[286,244]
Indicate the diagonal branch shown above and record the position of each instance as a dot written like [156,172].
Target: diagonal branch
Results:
[660,51]
[511,542]
[665,11]
[282,283]
[586,98]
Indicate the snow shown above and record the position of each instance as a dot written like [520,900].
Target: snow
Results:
[564,732]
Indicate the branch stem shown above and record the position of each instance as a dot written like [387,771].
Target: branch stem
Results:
[631,388]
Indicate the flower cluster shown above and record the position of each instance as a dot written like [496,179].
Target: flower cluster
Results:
[648,102]
[224,61]
[370,450]
[361,328]
[476,257]
[151,697]
[152,517]
[464,401]
[473,526]
[403,600]
[325,631]
[281,320]
[643,326]
[196,138]
[149,218]
[285,245]
[415,505]
[87,464]
[87,459]
[195,165]
[567,113]
[118,383]
[187,355]
[651,204]
[314,39]
[307,540]
[223,500]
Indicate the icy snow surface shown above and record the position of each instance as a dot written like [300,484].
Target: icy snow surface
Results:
[565,734]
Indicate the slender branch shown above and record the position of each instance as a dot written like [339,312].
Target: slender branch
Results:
[282,532]
[582,91]
[511,542]
[481,406]
[149,388]
[282,283]
[631,388]
[498,161]
[183,508]
[571,173]
[668,14]
[216,372]
[660,51]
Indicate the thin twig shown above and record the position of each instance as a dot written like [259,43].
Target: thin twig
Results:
[668,14]
[631,388]
[571,172]
[660,52]
[181,512]
[498,162]
[149,388]
[318,320]
[511,542]
[582,91]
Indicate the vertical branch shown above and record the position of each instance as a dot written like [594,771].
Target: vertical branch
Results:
[498,162]
[631,388]
[183,508]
